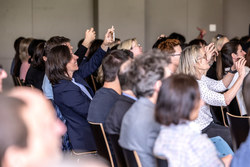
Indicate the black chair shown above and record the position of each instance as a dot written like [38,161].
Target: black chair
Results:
[239,128]
[132,158]
[219,113]
[120,160]
[101,142]
[161,162]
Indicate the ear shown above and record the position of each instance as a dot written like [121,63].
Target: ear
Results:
[44,58]
[14,157]
[157,85]
[234,57]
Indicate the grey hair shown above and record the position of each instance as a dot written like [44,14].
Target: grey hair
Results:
[148,68]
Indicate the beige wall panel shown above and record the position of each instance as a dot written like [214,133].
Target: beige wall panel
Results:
[165,17]
[202,13]
[236,17]
[62,17]
[15,21]
[128,17]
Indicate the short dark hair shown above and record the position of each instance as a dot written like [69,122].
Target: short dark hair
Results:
[13,130]
[54,41]
[147,69]
[246,92]
[177,98]
[178,36]
[112,62]
[198,42]
[56,65]
[160,40]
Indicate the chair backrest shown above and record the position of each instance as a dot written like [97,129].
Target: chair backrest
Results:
[239,128]
[161,162]
[18,81]
[224,110]
[101,141]
[132,158]
[120,160]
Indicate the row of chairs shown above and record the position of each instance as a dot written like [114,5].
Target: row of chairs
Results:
[124,157]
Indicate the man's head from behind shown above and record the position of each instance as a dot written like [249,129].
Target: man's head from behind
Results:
[44,131]
[112,62]
[147,69]
[246,92]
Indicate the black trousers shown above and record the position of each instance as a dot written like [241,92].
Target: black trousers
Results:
[214,129]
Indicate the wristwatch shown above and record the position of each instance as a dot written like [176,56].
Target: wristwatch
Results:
[232,71]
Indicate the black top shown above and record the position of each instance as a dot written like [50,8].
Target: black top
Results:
[35,77]
[211,73]
[114,118]
[101,104]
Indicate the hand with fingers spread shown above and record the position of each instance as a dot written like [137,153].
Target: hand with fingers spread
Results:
[108,39]
[240,67]
[210,51]
[89,37]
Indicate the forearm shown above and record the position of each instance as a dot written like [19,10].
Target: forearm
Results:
[231,93]
[104,47]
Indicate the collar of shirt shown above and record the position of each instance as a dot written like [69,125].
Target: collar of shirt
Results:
[131,97]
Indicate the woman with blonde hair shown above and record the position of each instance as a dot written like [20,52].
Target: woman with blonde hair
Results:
[24,56]
[195,61]
[132,45]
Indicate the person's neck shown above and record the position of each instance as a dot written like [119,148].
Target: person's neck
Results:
[153,98]
[129,92]
[172,68]
[200,73]
[70,74]
[115,85]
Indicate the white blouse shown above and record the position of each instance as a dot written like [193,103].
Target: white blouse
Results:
[209,90]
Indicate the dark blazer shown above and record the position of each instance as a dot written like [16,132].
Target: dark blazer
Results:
[115,116]
[74,104]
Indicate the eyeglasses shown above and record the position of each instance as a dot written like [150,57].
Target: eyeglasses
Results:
[177,54]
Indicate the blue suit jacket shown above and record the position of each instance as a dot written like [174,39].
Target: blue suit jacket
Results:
[74,104]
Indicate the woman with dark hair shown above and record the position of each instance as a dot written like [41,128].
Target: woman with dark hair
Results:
[36,71]
[71,93]
[231,52]
[179,140]
[16,62]
[195,61]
